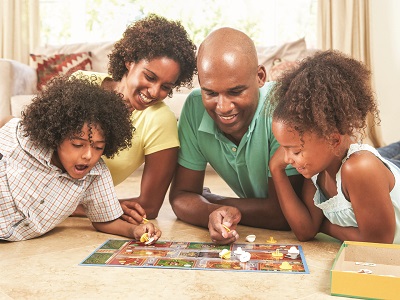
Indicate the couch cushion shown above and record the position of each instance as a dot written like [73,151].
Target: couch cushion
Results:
[291,51]
[280,67]
[99,51]
[48,67]
[19,102]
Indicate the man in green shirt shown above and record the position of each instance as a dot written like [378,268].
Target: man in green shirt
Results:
[227,125]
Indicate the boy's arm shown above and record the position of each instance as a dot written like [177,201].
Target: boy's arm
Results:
[123,228]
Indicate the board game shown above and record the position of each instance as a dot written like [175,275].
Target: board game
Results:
[197,256]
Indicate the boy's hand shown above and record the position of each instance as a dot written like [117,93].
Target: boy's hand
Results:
[148,228]
[133,212]
[222,223]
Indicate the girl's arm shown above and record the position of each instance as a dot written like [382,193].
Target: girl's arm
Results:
[157,174]
[366,183]
[123,228]
[303,217]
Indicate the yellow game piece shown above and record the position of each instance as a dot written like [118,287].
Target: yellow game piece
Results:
[226,228]
[144,237]
[285,266]
[271,240]
[145,221]
[277,253]
[225,254]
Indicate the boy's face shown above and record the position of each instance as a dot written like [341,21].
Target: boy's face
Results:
[79,153]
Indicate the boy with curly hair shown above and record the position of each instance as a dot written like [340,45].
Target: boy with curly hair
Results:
[51,161]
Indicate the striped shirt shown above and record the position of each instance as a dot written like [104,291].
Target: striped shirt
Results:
[35,195]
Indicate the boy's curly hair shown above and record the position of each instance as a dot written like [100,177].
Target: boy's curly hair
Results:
[61,110]
[155,37]
[329,92]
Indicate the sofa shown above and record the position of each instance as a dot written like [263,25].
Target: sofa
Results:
[20,82]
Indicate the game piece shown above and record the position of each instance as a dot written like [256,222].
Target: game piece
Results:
[365,271]
[194,256]
[285,266]
[238,251]
[245,256]
[226,228]
[271,240]
[293,252]
[251,238]
[151,239]
[225,254]
[277,254]
[145,221]
[144,237]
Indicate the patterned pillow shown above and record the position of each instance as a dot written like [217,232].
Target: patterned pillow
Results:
[48,67]
[280,66]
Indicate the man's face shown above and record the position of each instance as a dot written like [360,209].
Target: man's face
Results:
[230,91]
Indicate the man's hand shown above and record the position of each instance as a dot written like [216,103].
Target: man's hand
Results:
[222,223]
[133,212]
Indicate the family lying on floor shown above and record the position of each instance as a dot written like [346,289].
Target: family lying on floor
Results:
[291,149]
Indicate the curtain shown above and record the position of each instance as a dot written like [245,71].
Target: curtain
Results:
[19,29]
[344,25]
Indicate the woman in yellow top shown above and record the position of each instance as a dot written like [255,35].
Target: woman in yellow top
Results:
[154,56]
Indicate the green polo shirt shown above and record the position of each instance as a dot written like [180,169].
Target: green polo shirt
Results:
[245,167]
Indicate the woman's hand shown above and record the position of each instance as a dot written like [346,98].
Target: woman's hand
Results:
[133,212]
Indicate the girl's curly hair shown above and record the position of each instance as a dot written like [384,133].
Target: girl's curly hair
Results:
[155,37]
[328,92]
[66,104]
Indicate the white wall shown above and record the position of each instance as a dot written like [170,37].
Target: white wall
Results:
[385,56]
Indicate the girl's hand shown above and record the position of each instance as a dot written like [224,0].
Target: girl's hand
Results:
[148,228]
[277,162]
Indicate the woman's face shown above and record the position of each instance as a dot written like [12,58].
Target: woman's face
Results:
[148,82]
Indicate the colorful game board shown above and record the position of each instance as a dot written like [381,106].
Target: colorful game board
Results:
[195,256]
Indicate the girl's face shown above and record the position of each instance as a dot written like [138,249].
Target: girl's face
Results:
[78,155]
[149,82]
[309,156]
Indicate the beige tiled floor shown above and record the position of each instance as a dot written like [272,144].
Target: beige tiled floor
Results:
[48,267]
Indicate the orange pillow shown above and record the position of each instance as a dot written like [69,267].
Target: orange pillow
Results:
[48,67]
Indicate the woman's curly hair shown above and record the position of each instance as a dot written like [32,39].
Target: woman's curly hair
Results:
[155,37]
[66,104]
[328,92]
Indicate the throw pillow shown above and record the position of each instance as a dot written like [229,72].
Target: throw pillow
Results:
[290,51]
[48,67]
[279,67]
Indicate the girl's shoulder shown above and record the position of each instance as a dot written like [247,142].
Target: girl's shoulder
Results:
[362,161]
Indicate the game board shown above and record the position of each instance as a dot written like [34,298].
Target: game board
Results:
[194,256]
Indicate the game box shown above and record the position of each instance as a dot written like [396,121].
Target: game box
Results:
[366,270]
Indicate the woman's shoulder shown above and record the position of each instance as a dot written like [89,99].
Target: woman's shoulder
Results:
[94,77]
